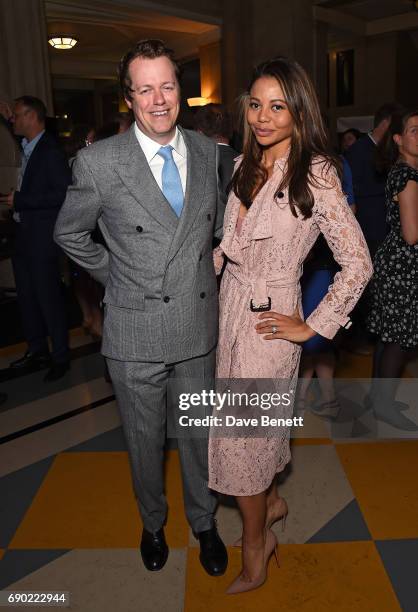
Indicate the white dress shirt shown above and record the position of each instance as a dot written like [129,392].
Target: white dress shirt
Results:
[27,149]
[156,162]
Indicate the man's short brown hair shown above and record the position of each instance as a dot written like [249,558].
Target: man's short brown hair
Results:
[150,48]
[34,104]
[213,120]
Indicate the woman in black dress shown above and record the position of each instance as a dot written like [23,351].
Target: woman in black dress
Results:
[394,286]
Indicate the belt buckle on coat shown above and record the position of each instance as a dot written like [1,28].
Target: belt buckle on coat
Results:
[260,307]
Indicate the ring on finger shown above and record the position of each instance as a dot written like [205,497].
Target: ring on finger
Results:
[274,329]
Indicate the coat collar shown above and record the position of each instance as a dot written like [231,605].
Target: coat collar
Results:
[257,224]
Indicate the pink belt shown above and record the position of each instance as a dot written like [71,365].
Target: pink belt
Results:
[260,300]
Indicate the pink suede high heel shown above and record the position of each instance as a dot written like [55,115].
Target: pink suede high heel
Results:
[239,585]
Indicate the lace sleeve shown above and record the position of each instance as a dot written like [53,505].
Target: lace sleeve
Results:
[218,260]
[337,223]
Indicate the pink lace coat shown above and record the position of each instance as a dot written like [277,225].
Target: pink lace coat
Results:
[265,259]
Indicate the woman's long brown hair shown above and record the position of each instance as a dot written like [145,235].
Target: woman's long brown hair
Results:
[387,153]
[309,140]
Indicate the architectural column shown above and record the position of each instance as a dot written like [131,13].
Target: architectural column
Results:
[256,30]
[210,72]
[24,64]
[237,48]
[321,63]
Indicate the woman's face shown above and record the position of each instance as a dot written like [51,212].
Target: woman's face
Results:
[408,141]
[268,115]
[347,140]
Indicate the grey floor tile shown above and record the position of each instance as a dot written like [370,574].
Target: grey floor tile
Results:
[107,442]
[347,526]
[31,387]
[400,560]
[16,564]
[17,491]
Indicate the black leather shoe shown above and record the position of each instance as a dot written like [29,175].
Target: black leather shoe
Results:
[154,550]
[31,361]
[213,555]
[57,371]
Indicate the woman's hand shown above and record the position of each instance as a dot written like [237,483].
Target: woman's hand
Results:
[5,110]
[276,326]
[8,198]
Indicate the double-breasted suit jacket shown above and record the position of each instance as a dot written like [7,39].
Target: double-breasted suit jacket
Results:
[161,297]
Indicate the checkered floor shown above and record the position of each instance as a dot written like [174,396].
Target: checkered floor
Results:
[69,522]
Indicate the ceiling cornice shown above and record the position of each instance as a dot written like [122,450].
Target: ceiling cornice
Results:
[126,12]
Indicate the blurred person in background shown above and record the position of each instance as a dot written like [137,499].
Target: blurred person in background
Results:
[124,121]
[42,185]
[369,181]
[369,195]
[319,353]
[394,286]
[348,138]
[87,291]
[214,121]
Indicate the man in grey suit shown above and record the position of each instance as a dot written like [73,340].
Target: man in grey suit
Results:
[153,191]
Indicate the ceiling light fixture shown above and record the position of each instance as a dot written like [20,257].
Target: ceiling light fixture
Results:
[62,42]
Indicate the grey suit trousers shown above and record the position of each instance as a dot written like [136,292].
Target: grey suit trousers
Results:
[141,393]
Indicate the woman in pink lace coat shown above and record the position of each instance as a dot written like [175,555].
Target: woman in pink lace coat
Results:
[285,191]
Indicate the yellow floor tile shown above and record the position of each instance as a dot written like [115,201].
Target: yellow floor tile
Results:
[310,441]
[86,501]
[383,476]
[312,578]
[350,365]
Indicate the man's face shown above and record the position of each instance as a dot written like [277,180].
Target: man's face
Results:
[22,119]
[155,99]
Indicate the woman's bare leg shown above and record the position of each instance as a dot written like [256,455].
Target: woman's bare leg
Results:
[253,511]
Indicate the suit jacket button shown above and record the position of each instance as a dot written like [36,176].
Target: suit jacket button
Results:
[139,229]
[280,194]
[209,216]
[166,299]
[203,295]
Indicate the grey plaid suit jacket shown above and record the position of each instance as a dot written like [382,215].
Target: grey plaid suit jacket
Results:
[160,286]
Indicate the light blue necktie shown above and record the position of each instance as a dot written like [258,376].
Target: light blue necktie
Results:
[172,188]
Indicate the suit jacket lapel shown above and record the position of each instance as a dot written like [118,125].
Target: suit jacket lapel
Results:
[33,160]
[195,188]
[132,168]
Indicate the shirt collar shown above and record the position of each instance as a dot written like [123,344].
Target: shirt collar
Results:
[371,138]
[151,147]
[29,145]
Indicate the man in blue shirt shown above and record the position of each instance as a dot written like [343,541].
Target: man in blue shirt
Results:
[369,196]
[368,182]
[42,185]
